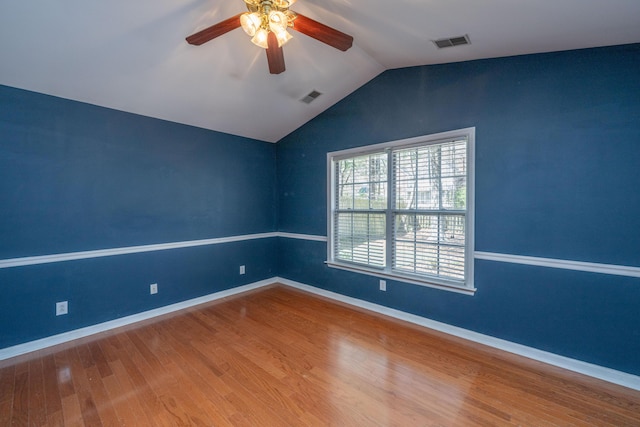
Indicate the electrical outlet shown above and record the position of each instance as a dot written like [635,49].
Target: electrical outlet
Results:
[153,288]
[62,308]
[242,269]
[383,285]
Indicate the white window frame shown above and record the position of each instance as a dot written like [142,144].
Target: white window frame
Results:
[464,287]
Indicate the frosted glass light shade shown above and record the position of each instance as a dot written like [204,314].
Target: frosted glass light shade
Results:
[283,37]
[277,21]
[250,23]
[260,38]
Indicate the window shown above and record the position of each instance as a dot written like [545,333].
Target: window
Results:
[404,210]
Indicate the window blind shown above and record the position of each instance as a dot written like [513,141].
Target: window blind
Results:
[429,209]
[402,209]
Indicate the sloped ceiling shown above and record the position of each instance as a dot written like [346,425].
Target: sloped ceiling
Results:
[132,56]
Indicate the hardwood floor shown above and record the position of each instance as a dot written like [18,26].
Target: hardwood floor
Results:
[281,357]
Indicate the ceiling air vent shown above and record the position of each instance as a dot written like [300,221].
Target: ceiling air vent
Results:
[453,41]
[311,97]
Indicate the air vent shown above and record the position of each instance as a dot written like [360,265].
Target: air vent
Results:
[311,97]
[453,41]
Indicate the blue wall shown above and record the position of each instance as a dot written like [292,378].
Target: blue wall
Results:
[76,177]
[557,176]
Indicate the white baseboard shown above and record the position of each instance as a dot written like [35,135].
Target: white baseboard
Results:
[595,371]
[40,344]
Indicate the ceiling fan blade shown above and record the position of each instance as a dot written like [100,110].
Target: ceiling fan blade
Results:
[323,33]
[275,57]
[214,31]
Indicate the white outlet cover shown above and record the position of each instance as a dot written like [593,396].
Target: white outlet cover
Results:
[153,288]
[62,307]
[383,285]
[242,269]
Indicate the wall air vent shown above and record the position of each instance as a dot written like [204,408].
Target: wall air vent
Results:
[453,41]
[311,97]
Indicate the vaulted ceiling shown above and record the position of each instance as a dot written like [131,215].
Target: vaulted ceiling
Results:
[132,55]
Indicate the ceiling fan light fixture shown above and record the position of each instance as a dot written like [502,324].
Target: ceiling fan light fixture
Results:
[250,23]
[267,16]
[267,23]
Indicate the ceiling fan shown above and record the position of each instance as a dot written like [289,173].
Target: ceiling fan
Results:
[267,22]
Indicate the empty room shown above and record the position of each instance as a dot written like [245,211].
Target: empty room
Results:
[309,213]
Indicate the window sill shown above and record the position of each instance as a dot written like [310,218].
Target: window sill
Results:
[402,278]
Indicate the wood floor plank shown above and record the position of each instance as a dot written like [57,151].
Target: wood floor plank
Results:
[7,376]
[121,406]
[134,367]
[125,408]
[280,357]
[63,374]
[128,393]
[20,406]
[99,359]
[37,402]
[71,411]
[5,411]
[88,408]
[104,404]
[7,387]
[51,390]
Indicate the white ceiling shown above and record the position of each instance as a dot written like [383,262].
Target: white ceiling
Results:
[132,56]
